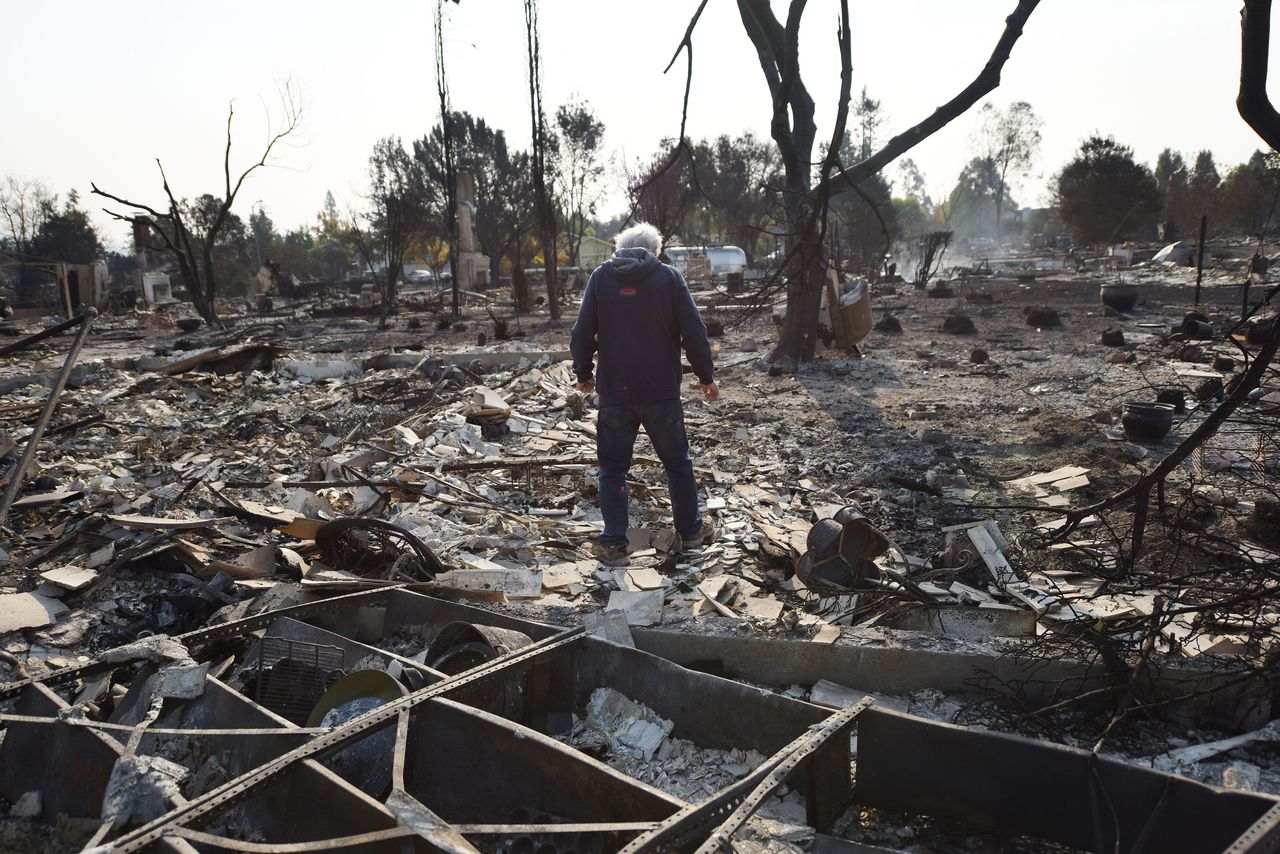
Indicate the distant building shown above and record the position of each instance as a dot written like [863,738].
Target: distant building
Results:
[593,252]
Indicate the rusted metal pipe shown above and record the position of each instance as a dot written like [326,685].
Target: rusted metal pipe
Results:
[33,441]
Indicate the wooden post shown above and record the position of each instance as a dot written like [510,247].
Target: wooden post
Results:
[18,474]
[1204,222]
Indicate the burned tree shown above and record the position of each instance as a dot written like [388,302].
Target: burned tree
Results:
[450,170]
[933,246]
[190,243]
[538,155]
[1174,535]
[806,198]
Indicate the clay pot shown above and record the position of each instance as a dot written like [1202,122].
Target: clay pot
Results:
[1122,296]
[1147,421]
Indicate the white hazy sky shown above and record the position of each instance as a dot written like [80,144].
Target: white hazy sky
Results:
[96,91]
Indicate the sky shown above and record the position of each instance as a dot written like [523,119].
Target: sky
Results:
[96,92]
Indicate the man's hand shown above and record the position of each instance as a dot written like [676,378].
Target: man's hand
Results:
[709,391]
[587,386]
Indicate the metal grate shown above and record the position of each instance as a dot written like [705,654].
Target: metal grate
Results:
[293,674]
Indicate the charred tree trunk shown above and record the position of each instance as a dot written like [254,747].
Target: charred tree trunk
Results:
[805,270]
[197,264]
[546,211]
[450,166]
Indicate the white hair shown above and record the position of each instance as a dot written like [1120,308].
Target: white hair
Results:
[639,236]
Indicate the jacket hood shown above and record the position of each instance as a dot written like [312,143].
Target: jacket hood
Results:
[632,265]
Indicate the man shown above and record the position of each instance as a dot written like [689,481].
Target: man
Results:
[637,313]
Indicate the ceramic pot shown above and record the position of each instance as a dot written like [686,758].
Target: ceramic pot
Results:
[1122,296]
[1146,421]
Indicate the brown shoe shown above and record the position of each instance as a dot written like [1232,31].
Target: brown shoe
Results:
[610,555]
[706,534]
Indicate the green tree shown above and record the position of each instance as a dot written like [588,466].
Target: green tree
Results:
[580,166]
[1171,182]
[974,204]
[266,240]
[912,183]
[505,213]
[1249,195]
[67,235]
[1010,139]
[1205,183]
[739,177]
[334,245]
[866,113]
[398,197]
[1104,194]
[862,222]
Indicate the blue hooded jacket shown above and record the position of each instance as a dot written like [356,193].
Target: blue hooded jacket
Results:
[638,314]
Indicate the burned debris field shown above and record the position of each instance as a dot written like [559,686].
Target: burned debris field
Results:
[303,568]
[522,439]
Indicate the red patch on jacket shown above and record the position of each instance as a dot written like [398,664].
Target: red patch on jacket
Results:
[628,292]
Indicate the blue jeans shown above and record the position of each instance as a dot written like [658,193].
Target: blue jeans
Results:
[616,430]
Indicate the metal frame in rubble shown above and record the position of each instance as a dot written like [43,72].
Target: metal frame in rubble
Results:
[475,765]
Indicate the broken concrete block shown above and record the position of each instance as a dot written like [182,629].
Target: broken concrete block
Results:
[69,577]
[141,789]
[28,611]
[182,681]
[629,726]
[155,648]
[609,625]
[314,370]
[644,578]
[637,539]
[827,634]
[486,401]
[641,608]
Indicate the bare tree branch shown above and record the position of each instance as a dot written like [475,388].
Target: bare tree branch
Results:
[1255,47]
[986,81]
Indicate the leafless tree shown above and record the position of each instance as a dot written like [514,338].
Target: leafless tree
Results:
[25,204]
[192,244]
[538,158]
[933,245]
[806,198]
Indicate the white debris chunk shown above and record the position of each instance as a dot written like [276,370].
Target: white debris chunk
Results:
[629,726]
[141,789]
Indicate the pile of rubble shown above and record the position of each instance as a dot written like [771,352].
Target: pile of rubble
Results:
[212,477]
